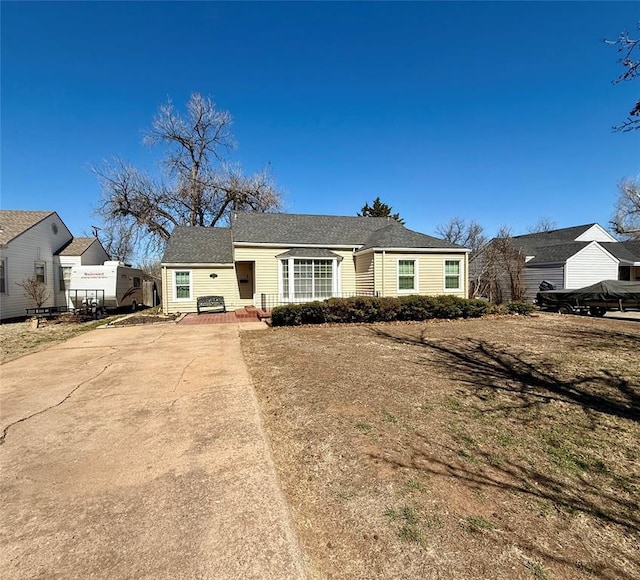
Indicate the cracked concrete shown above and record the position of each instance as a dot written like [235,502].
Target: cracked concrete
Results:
[139,452]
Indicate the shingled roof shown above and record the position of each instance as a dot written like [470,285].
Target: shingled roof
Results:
[301,229]
[395,235]
[199,245]
[553,237]
[14,222]
[215,245]
[550,254]
[625,251]
[76,247]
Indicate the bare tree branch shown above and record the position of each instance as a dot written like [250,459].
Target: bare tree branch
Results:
[458,231]
[629,51]
[198,186]
[626,218]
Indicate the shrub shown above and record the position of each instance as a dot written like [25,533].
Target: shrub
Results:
[475,308]
[364,309]
[524,308]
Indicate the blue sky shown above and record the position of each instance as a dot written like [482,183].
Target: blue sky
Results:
[497,112]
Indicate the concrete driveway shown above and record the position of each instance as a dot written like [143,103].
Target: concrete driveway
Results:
[139,453]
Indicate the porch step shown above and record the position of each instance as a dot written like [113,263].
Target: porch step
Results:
[247,312]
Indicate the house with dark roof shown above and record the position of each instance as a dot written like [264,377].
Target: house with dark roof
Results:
[266,259]
[573,257]
[39,244]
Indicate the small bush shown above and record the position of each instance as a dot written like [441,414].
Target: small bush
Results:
[520,308]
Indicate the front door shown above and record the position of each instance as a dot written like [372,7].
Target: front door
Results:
[244,274]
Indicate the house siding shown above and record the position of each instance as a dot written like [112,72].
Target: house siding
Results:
[430,273]
[93,255]
[266,268]
[38,243]
[590,265]
[265,275]
[365,277]
[224,284]
[534,275]
[595,234]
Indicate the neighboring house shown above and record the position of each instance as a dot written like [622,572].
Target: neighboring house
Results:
[572,258]
[38,243]
[266,259]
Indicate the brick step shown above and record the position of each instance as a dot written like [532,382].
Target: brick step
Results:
[246,313]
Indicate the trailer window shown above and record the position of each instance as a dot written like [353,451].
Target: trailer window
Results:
[182,285]
[136,282]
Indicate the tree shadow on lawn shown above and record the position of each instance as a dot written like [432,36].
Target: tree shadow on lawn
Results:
[525,383]
[525,481]
[484,366]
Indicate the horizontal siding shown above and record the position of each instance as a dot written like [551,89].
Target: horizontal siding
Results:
[430,273]
[364,267]
[266,268]
[94,255]
[36,244]
[225,284]
[534,275]
[592,264]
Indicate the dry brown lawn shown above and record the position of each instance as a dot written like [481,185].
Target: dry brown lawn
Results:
[20,338]
[489,448]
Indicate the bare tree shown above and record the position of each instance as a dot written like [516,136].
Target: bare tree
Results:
[35,290]
[629,51]
[458,231]
[498,267]
[626,219]
[198,185]
[544,224]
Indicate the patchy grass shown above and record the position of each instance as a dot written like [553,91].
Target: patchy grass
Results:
[20,338]
[490,448]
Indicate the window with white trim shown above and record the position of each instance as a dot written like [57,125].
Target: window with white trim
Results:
[182,284]
[452,275]
[407,276]
[308,279]
[64,277]
[39,271]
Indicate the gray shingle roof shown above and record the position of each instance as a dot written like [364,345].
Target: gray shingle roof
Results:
[553,253]
[199,245]
[215,245]
[554,236]
[626,251]
[395,235]
[297,229]
[76,247]
[13,222]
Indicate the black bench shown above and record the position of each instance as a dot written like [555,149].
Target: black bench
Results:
[211,303]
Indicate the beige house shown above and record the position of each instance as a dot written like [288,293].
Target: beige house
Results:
[269,259]
[39,244]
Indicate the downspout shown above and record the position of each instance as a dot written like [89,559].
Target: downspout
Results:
[384,259]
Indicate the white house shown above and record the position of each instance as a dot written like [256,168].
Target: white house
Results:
[571,258]
[38,243]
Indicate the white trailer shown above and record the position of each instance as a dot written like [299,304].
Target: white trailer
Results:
[106,287]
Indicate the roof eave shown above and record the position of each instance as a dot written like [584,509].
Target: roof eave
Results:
[414,250]
[197,264]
